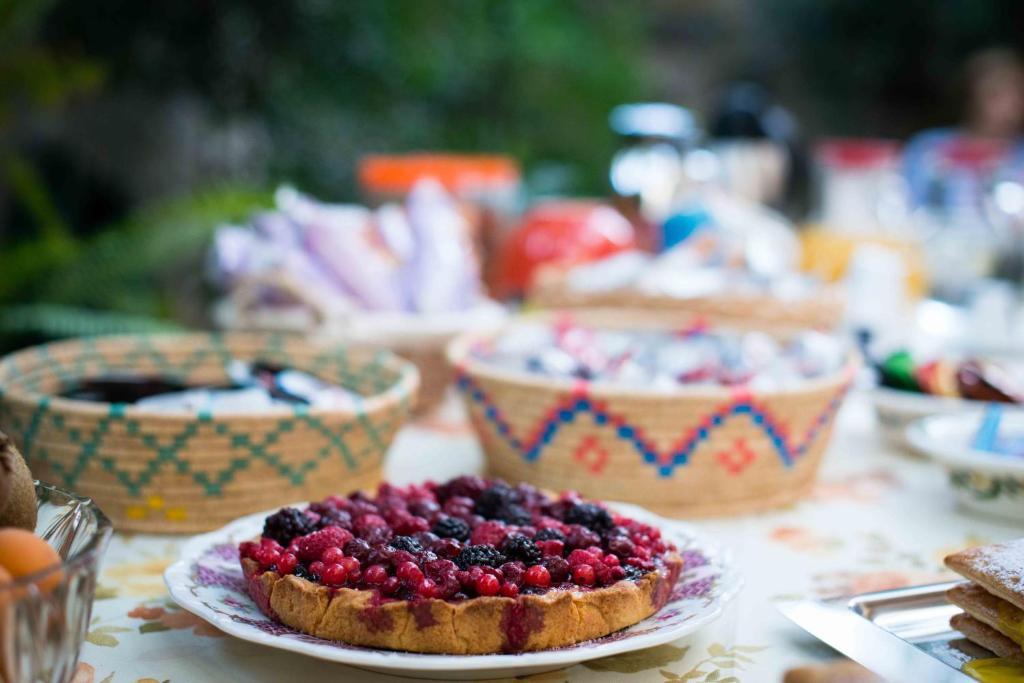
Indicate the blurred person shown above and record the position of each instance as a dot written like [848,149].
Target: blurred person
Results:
[995,79]
[993,99]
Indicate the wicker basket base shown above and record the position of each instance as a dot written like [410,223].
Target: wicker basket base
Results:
[758,312]
[683,509]
[705,496]
[190,472]
[696,451]
[435,375]
[157,515]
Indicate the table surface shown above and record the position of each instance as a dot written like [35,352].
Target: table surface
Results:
[877,519]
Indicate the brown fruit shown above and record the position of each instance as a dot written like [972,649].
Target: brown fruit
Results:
[17,490]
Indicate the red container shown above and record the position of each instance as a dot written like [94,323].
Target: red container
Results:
[561,233]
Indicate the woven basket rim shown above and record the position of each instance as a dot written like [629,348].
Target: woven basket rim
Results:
[459,356]
[829,295]
[403,388]
[394,329]
[820,310]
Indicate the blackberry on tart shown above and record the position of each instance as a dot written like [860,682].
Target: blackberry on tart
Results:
[471,566]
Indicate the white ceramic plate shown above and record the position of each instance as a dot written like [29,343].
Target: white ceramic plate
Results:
[947,438]
[896,409]
[984,482]
[207,580]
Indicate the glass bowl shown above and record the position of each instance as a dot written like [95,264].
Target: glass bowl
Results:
[44,616]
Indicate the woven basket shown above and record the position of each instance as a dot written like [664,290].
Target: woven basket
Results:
[421,339]
[695,451]
[824,311]
[435,373]
[188,473]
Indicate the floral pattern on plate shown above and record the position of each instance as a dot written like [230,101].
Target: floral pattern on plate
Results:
[207,580]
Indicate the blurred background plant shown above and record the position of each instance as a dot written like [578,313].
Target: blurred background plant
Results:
[129,130]
[63,275]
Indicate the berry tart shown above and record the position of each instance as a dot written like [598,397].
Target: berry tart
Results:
[467,567]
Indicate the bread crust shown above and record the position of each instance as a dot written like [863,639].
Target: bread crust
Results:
[982,634]
[996,568]
[482,625]
[992,611]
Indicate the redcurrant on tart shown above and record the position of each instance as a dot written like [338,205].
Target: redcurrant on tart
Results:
[472,566]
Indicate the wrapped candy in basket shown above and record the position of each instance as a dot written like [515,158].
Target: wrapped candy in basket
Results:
[400,277]
[626,405]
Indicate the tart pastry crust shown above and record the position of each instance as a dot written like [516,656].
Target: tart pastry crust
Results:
[480,625]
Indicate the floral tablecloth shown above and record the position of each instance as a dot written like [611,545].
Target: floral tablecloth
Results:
[878,519]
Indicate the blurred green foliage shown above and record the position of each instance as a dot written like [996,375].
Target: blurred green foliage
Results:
[30,72]
[133,276]
[334,80]
[306,87]
[326,82]
[57,282]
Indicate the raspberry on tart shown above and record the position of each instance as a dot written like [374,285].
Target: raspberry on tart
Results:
[471,566]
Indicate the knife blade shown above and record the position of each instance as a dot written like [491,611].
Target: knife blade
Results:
[866,643]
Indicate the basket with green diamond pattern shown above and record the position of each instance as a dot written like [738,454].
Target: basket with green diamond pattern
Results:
[192,472]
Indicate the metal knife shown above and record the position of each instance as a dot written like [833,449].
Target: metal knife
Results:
[864,642]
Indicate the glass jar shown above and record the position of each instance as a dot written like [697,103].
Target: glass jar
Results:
[961,242]
[862,204]
[862,191]
[41,631]
[650,164]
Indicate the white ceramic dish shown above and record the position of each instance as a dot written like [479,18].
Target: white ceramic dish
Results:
[207,580]
[984,482]
[896,409]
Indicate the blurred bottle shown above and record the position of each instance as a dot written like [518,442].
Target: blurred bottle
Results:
[689,211]
[863,203]
[992,312]
[876,299]
[1008,205]
[961,241]
[655,139]
[757,144]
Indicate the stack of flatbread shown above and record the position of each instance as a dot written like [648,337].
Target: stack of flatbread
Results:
[993,599]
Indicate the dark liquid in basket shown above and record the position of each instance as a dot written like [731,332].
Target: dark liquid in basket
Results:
[129,388]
